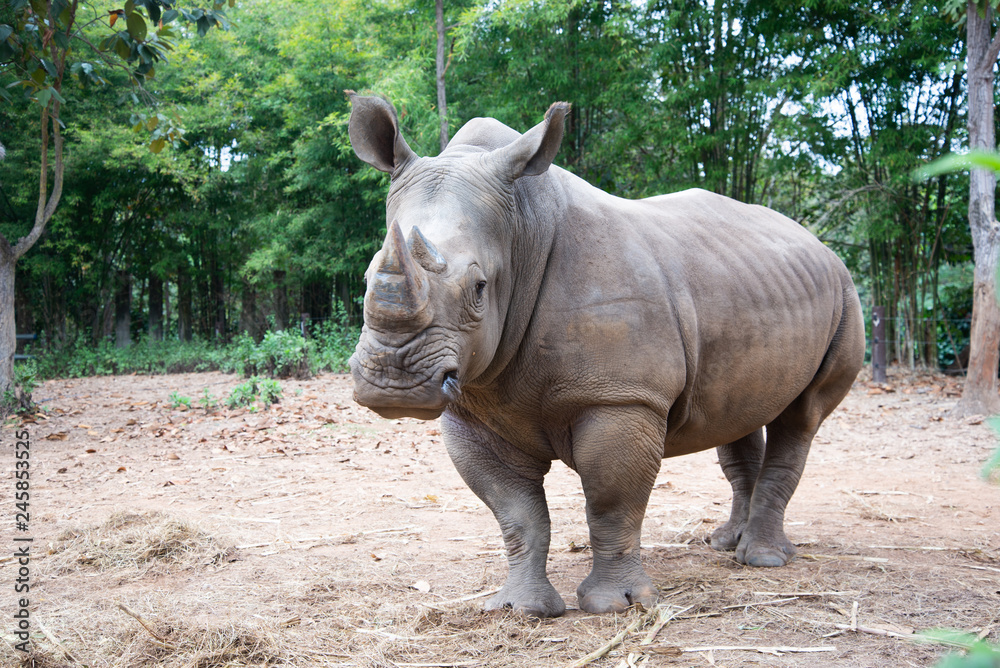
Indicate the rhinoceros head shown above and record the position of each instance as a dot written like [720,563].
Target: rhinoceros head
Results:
[440,288]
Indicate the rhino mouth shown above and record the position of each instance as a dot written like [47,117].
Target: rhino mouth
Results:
[408,381]
[450,386]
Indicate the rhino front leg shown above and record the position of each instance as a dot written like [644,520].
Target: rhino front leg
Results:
[509,482]
[617,452]
[741,461]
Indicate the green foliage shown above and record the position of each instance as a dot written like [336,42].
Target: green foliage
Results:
[81,358]
[207,401]
[957,162]
[332,341]
[177,400]
[17,399]
[976,653]
[281,354]
[267,390]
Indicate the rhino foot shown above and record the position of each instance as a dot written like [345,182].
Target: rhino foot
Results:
[599,596]
[727,537]
[530,600]
[766,554]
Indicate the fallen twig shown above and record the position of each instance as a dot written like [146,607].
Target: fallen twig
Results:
[921,548]
[857,629]
[753,605]
[804,594]
[145,624]
[776,651]
[440,604]
[55,641]
[614,642]
[844,557]
[980,568]
[664,615]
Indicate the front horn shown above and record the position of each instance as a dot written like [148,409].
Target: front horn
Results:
[399,292]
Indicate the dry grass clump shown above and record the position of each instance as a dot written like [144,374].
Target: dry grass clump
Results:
[136,541]
[178,642]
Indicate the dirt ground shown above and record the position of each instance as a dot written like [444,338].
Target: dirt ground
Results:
[316,534]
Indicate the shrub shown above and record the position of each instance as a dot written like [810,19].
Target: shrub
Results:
[245,394]
[281,354]
[176,400]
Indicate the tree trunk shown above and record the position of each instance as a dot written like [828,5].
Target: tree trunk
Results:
[217,300]
[123,310]
[155,308]
[11,253]
[184,324]
[280,300]
[8,332]
[979,396]
[249,323]
[442,100]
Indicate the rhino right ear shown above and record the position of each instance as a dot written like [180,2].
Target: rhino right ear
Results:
[374,132]
[534,151]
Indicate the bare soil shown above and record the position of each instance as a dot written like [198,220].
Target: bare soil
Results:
[314,533]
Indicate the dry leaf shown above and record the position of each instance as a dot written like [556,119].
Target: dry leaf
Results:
[57,436]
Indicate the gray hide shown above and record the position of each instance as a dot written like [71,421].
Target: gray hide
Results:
[542,318]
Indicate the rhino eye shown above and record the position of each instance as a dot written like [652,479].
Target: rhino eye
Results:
[480,287]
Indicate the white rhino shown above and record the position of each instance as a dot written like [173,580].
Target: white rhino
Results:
[542,318]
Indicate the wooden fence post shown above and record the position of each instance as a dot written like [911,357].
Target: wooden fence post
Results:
[878,344]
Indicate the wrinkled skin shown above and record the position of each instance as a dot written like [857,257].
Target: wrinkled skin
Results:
[541,318]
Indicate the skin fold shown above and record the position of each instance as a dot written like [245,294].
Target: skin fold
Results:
[541,318]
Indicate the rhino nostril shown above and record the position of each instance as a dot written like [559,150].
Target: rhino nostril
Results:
[450,386]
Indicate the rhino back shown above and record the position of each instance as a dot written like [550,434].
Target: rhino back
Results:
[714,313]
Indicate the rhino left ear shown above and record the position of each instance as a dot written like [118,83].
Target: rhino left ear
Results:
[535,150]
[375,136]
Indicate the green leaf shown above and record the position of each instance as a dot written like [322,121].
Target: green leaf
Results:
[136,27]
[38,76]
[169,16]
[204,25]
[153,9]
[50,67]
[123,49]
[954,162]
[157,145]
[129,8]
[5,32]
[43,96]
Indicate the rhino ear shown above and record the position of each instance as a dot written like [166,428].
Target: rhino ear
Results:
[535,150]
[374,132]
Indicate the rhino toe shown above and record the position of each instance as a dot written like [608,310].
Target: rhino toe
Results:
[532,603]
[765,555]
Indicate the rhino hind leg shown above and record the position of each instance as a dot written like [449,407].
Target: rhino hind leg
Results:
[741,461]
[617,453]
[789,437]
[510,484]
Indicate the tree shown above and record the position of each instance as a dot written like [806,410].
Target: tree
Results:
[35,50]
[442,67]
[979,396]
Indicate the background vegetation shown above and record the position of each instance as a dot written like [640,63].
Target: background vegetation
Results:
[261,218]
